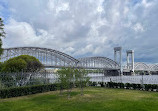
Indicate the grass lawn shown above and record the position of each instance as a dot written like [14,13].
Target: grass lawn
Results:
[94,99]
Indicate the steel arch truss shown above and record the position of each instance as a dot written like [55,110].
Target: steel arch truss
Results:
[48,57]
[153,67]
[98,62]
[140,66]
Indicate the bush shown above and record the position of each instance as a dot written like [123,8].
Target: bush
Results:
[134,86]
[138,86]
[115,85]
[102,84]
[105,84]
[90,83]
[21,91]
[84,83]
[147,87]
[94,84]
[157,88]
[121,85]
[110,84]
[153,87]
[127,85]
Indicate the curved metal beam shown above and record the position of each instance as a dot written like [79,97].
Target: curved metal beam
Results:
[153,67]
[45,55]
[140,66]
[98,62]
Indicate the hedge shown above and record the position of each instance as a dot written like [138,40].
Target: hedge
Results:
[146,87]
[27,90]
[21,91]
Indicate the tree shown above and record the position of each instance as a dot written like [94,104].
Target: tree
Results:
[65,79]
[62,79]
[21,63]
[14,65]
[12,70]
[11,65]
[81,78]
[2,34]
[68,76]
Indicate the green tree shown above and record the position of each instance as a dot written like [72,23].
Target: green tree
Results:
[81,78]
[21,63]
[11,66]
[12,70]
[14,65]
[68,76]
[65,79]
[62,79]
[2,34]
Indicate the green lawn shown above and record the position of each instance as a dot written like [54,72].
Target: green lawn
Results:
[94,99]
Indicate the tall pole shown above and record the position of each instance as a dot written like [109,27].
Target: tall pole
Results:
[118,49]
[127,61]
[130,61]
[114,55]
[133,61]
[121,60]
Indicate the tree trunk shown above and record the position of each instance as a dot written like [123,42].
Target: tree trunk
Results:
[61,90]
[81,87]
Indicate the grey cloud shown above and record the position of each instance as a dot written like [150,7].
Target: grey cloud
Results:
[78,28]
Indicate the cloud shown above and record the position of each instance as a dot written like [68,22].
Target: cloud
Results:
[138,27]
[85,28]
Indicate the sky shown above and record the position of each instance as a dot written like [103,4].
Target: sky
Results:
[83,28]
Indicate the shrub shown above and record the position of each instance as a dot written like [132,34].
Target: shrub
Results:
[90,83]
[102,84]
[105,84]
[157,88]
[127,85]
[147,87]
[21,91]
[153,87]
[110,84]
[121,85]
[138,86]
[94,84]
[134,86]
[115,85]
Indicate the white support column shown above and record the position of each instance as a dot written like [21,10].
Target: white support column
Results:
[121,60]
[127,61]
[130,61]
[118,49]
[114,55]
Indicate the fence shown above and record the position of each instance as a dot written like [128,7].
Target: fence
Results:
[137,79]
[8,80]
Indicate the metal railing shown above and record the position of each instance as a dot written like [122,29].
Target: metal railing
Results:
[8,80]
[137,79]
